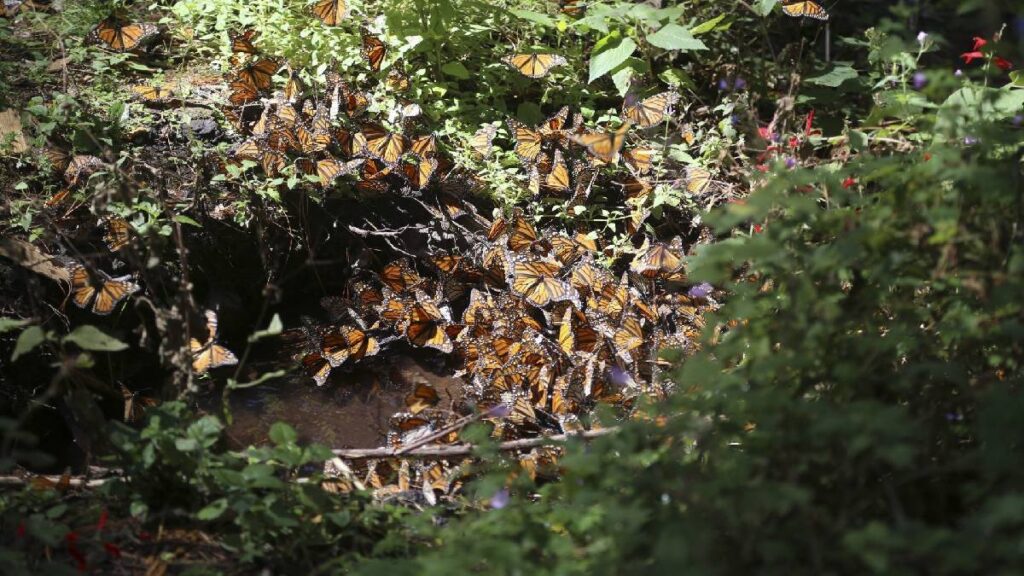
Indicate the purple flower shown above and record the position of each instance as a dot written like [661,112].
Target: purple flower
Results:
[790,162]
[701,290]
[958,73]
[970,140]
[500,499]
[723,84]
[739,84]
[620,377]
[1018,120]
[734,119]
[920,80]
[922,37]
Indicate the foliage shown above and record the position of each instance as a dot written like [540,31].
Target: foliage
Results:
[855,408]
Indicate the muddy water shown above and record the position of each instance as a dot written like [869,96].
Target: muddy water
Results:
[352,410]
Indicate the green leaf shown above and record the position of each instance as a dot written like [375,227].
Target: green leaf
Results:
[675,37]
[27,341]
[605,62]
[8,324]
[677,77]
[92,338]
[456,70]
[273,329]
[182,219]
[833,78]
[705,27]
[213,510]
[281,433]
[765,7]
[536,17]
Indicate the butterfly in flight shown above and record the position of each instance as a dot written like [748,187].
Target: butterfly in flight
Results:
[120,35]
[604,146]
[806,9]
[534,65]
[106,297]
[331,12]
[208,355]
[649,111]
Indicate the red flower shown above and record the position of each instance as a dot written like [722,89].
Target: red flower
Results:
[758,228]
[112,549]
[809,123]
[848,182]
[979,42]
[793,142]
[20,531]
[145,536]
[761,168]
[1003,63]
[927,156]
[971,56]
[102,522]
[71,538]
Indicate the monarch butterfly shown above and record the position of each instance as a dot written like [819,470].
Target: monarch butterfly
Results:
[553,126]
[658,259]
[57,158]
[310,142]
[399,276]
[374,50]
[421,398]
[627,337]
[242,43]
[528,141]
[398,81]
[649,111]
[80,167]
[636,188]
[524,236]
[424,326]
[584,182]
[451,206]
[697,179]
[566,249]
[482,141]
[122,36]
[242,93]
[330,12]
[534,65]
[327,169]
[419,172]
[533,183]
[152,93]
[604,145]
[116,234]
[558,178]
[383,145]
[537,282]
[356,102]
[316,367]
[347,343]
[373,176]
[292,88]
[107,297]
[806,9]
[260,73]
[611,300]
[134,405]
[587,275]
[209,354]
[425,146]
[637,216]
[639,159]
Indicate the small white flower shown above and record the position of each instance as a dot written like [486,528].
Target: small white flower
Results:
[922,37]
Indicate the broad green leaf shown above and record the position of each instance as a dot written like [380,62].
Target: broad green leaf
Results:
[8,324]
[456,70]
[708,26]
[833,78]
[605,62]
[213,510]
[182,219]
[281,433]
[675,37]
[676,77]
[92,338]
[536,17]
[27,341]
[765,7]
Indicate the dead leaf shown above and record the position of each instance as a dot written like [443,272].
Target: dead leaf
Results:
[10,123]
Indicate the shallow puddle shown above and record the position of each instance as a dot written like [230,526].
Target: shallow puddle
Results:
[352,410]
